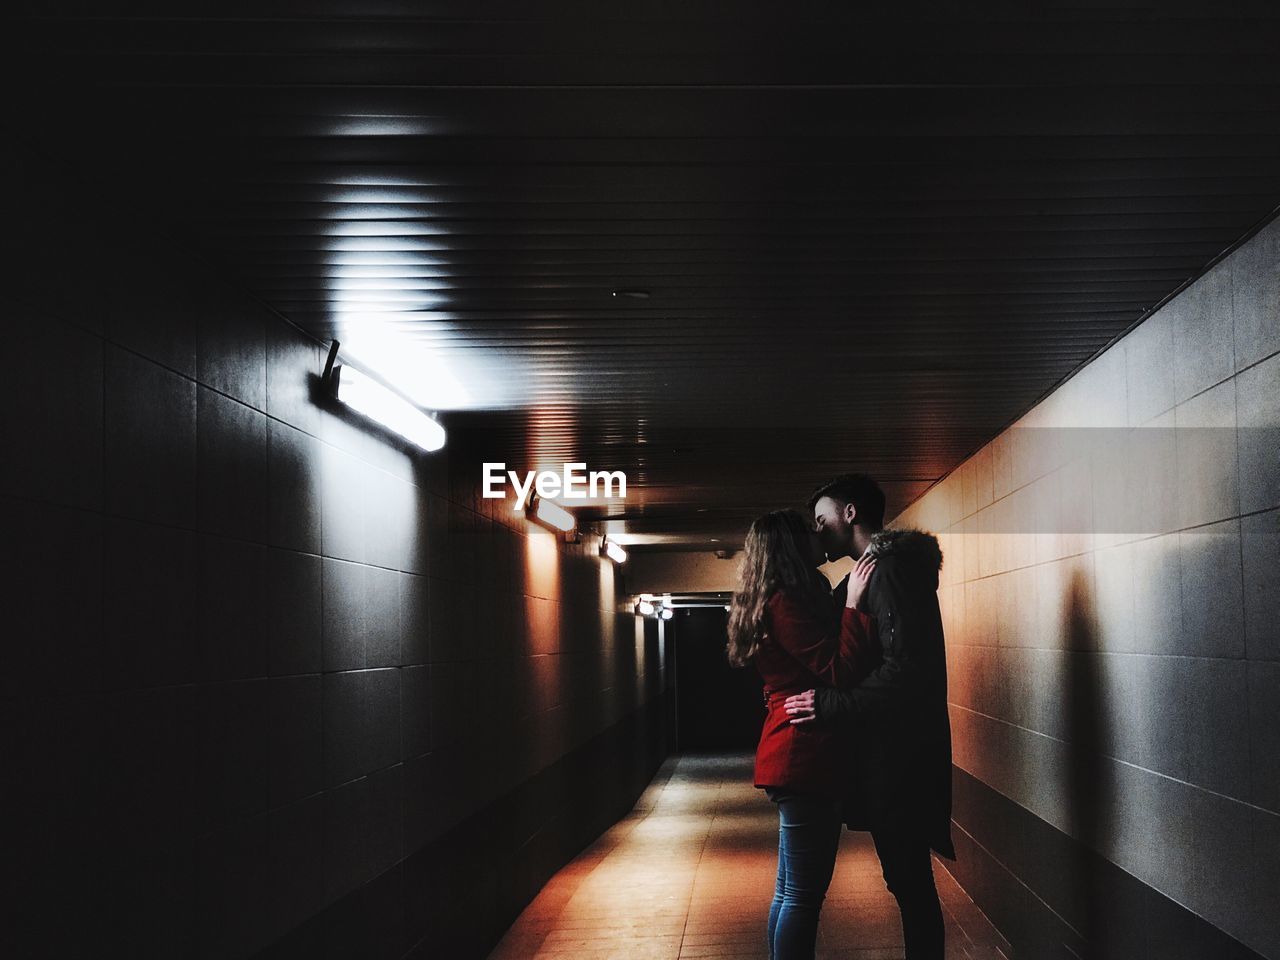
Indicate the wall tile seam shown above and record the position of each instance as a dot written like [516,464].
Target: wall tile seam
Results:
[1134,766]
[115,692]
[110,515]
[364,776]
[1244,586]
[105,547]
[1116,653]
[350,670]
[322,737]
[77,508]
[1016,879]
[1257,363]
[232,823]
[1173,899]
[328,556]
[194,380]
[276,808]
[373,465]
[1190,397]
[1044,563]
[268,809]
[268,416]
[1124,385]
[1092,550]
[415,456]
[40,310]
[1014,876]
[995,500]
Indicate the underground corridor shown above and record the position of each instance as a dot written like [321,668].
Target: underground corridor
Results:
[560,481]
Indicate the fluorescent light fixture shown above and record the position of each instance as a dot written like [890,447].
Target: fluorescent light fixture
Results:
[614,552]
[366,395]
[647,597]
[554,514]
[644,608]
[667,613]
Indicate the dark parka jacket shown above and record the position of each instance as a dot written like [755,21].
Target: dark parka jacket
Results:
[897,716]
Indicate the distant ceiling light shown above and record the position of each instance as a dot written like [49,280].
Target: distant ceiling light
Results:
[667,613]
[632,294]
[555,515]
[644,608]
[375,400]
[613,551]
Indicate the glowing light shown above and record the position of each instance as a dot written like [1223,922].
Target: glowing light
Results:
[667,613]
[365,395]
[645,608]
[418,368]
[382,125]
[556,515]
[615,552]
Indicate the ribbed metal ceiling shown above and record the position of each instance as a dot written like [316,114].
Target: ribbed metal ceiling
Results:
[844,239]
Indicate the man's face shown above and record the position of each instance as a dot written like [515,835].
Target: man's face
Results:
[833,523]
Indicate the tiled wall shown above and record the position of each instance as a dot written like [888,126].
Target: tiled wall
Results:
[1112,602]
[255,656]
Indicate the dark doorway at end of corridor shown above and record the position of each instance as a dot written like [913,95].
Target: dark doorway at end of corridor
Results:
[719,708]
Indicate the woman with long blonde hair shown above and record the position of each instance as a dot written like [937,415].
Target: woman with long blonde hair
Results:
[783,620]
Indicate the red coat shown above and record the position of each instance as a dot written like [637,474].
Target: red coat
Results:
[802,649]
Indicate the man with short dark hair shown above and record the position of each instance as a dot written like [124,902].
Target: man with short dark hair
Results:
[898,714]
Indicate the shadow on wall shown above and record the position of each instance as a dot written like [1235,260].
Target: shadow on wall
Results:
[1059,869]
[1106,908]
[1087,736]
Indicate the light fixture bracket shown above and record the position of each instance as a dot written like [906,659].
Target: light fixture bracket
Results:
[380,402]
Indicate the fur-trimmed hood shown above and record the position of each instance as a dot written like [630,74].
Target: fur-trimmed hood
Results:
[915,549]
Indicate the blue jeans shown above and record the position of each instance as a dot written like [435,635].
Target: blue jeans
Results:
[808,835]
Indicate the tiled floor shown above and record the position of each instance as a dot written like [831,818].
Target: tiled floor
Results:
[689,873]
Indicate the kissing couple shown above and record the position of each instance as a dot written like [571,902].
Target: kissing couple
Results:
[857,732]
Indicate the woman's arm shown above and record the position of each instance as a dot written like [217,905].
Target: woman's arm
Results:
[836,657]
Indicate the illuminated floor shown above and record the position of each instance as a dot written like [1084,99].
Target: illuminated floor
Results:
[690,874]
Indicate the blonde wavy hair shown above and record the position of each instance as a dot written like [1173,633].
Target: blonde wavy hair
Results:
[775,557]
